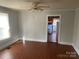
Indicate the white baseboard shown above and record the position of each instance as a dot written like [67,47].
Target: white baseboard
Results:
[76,49]
[8,44]
[36,40]
[30,39]
[65,43]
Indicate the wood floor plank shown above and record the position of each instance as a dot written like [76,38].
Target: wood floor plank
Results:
[37,50]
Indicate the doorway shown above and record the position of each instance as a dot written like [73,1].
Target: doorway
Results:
[53,28]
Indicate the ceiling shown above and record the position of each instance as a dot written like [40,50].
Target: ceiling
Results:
[53,4]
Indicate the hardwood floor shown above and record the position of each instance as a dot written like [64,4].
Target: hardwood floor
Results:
[36,50]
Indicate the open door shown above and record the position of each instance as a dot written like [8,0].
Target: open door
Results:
[53,28]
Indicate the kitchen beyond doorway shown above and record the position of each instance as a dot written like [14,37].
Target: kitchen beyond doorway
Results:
[53,28]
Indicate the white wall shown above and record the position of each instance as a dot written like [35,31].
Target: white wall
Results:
[76,31]
[13,20]
[34,25]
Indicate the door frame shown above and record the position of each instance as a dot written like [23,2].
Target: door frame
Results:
[59,30]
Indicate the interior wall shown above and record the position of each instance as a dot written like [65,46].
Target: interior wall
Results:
[76,31]
[13,20]
[34,25]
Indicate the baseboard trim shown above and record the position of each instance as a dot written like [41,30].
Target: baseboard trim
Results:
[76,49]
[65,43]
[36,40]
[30,39]
[8,45]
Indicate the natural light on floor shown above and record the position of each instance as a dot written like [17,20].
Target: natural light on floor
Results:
[4,26]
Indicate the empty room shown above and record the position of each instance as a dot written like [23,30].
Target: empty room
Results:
[39,29]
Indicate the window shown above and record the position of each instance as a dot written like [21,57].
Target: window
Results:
[4,26]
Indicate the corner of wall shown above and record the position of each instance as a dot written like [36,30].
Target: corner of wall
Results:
[9,43]
[76,49]
[67,43]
